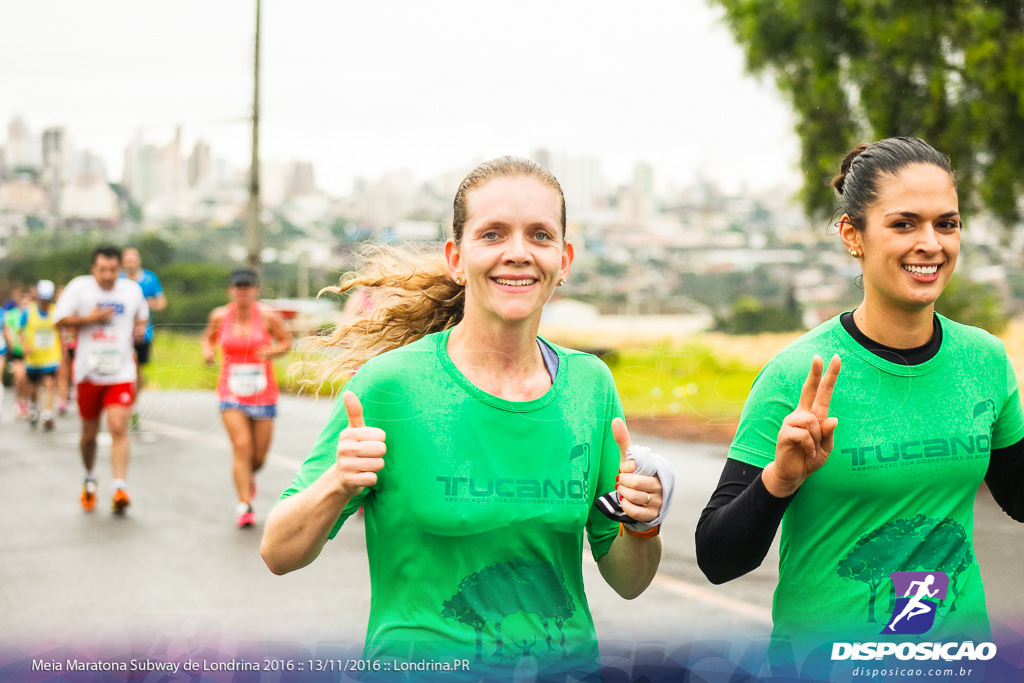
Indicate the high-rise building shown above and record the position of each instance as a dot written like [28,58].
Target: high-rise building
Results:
[152,172]
[581,179]
[140,170]
[87,168]
[54,147]
[302,180]
[55,167]
[200,166]
[641,201]
[643,179]
[21,151]
[171,178]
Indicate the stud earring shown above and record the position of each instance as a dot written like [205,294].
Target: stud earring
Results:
[458,280]
[561,282]
[853,252]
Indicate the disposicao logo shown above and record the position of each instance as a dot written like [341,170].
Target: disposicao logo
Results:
[918,596]
[914,613]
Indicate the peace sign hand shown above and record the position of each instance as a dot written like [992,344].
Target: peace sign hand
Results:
[806,438]
[360,450]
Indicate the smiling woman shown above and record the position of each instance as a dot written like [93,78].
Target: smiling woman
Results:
[902,222]
[872,471]
[478,450]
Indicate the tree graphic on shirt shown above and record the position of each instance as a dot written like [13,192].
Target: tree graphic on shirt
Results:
[904,545]
[495,593]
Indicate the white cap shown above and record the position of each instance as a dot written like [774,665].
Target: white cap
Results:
[45,290]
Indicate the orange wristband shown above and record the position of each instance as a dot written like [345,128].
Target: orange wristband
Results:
[650,533]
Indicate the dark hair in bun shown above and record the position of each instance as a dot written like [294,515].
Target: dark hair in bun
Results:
[858,179]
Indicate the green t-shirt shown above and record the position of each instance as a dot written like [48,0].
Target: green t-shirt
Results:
[897,493]
[474,530]
[12,319]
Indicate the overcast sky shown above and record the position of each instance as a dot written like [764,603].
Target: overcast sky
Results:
[363,88]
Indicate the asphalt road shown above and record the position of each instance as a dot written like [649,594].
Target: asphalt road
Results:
[176,570]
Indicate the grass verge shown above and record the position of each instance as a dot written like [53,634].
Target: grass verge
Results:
[663,381]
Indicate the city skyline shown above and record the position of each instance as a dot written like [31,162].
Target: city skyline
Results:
[360,91]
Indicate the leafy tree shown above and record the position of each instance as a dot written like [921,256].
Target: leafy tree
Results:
[339,228]
[750,316]
[876,555]
[125,197]
[947,550]
[59,266]
[193,290]
[904,545]
[461,609]
[502,590]
[57,257]
[972,303]
[155,251]
[947,71]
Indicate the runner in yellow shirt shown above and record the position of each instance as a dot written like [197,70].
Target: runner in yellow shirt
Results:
[41,345]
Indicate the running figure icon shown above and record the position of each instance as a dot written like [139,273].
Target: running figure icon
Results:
[914,606]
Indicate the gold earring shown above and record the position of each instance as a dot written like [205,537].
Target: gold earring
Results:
[561,282]
[458,280]
[853,252]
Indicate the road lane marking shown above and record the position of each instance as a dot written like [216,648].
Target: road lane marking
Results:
[701,594]
[681,588]
[207,439]
[708,597]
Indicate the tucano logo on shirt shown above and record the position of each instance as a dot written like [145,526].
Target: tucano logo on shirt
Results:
[521,489]
[518,489]
[919,449]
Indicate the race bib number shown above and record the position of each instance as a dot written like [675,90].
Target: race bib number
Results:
[106,359]
[43,340]
[247,379]
[105,352]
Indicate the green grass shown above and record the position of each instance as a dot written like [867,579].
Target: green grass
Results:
[692,380]
[176,362]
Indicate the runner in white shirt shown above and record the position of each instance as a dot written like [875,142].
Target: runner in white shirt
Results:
[110,314]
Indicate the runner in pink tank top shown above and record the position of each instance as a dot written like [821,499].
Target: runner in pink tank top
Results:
[249,337]
[246,374]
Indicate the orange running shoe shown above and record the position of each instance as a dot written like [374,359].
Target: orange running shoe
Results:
[89,495]
[121,501]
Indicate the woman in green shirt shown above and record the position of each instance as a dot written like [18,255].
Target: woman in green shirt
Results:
[873,469]
[476,448]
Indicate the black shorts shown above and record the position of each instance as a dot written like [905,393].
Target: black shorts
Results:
[12,356]
[142,352]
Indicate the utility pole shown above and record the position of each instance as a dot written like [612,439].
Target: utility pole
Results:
[253,228]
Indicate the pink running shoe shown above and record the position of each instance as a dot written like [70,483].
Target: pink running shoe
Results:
[246,517]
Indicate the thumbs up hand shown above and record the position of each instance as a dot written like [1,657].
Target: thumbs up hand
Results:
[360,450]
[640,495]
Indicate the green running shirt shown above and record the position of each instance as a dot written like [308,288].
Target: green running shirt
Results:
[897,492]
[474,531]
[12,319]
